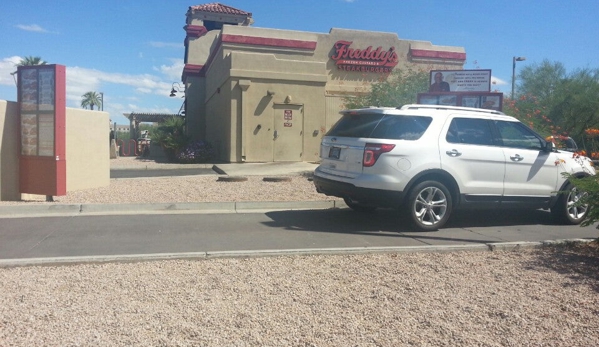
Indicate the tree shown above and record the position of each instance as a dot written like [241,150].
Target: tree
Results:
[542,80]
[28,61]
[91,99]
[400,88]
[556,103]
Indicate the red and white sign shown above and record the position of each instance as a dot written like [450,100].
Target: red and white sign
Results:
[288,115]
[42,109]
[364,60]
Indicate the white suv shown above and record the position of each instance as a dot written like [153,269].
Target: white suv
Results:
[429,160]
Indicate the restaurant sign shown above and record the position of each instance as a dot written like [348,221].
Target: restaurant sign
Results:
[42,110]
[364,60]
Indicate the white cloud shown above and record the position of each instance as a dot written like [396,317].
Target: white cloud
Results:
[172,72]
[497,81]
[33,27]
[8,66]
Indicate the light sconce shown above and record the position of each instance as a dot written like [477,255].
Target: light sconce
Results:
[175,88]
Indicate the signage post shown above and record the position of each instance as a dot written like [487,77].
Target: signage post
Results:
[42,109]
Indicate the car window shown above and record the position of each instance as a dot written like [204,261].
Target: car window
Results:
[517,135]
[470,131]
[355,125]
[401,127]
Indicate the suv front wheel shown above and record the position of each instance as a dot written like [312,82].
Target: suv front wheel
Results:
[568,209]
[429,205]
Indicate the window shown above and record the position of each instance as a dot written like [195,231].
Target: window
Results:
[355,125]
[401,127]
[470,131]
[517,135]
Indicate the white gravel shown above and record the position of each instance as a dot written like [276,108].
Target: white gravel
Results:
[202,188]
[543,297]
[524,298]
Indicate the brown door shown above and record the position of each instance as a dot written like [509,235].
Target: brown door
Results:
[288,132]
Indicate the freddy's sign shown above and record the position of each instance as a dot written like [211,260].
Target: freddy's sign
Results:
[364,60]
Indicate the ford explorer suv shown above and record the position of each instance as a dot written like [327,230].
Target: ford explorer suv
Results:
[428,161]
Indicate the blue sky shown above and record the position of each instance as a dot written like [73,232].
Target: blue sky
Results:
[132,51]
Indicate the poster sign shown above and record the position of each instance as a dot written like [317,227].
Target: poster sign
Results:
[460,81]
[42,109]
[487,100]
[288,115]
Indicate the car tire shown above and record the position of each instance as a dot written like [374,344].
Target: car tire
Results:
[429,205]
[566,209]
[356,206]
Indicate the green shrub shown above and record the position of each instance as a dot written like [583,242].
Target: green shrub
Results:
[170,135]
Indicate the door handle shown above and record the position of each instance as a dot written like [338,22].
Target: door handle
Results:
[453,153]
[516,157]
[276,134]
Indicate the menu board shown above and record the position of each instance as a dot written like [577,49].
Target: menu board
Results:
[46,90]
[29,90]
[37,111]
[29,132]
[42,111]
[46,135]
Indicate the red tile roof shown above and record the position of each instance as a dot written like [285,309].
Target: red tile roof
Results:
[216,7]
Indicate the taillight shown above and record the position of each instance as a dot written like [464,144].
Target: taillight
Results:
[372,152]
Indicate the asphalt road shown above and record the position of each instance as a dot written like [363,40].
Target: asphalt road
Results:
[144,235]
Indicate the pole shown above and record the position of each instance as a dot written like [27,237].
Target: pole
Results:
[513,76]
[102,105]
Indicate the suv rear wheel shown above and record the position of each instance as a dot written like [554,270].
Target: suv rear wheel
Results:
[567,209]
[429,205]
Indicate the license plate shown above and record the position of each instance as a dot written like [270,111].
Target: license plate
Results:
[334,152]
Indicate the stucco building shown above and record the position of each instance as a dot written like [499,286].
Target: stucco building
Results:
[263,95]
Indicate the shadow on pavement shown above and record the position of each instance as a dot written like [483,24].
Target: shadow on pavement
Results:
[385,222]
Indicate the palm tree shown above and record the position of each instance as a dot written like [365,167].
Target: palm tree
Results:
[31,60]
[90,99]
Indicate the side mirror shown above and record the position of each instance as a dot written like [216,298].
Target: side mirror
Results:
[549,146]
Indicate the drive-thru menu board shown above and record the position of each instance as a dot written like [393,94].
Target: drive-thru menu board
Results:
[42,94]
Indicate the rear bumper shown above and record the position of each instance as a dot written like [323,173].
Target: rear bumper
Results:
[367,196]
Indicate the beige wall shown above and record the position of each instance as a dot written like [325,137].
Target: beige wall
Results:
[87,150]
[9,156]
[229,104]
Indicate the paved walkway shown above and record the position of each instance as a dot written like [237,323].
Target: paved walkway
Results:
[125,232]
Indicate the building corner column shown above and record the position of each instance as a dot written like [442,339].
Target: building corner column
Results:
[244,85]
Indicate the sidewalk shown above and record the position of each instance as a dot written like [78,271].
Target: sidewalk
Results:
[223,170]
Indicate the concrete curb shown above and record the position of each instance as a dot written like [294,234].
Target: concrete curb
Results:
[492,247]
[47,210]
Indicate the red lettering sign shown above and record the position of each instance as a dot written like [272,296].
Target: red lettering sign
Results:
[364,60]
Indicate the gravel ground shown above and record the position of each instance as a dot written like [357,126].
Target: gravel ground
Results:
[543,297]
[523,298]
[202,188]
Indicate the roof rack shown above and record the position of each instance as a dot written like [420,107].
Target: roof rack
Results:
[450,108]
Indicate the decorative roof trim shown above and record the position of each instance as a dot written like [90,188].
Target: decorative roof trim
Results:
[195,30]
[422,53]
[267,41]
[216,7]
[191,70]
